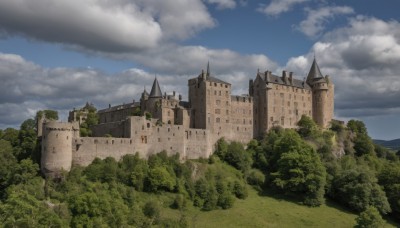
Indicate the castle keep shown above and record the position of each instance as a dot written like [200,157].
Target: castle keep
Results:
[191,128]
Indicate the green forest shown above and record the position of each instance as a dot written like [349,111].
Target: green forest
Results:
[306,177]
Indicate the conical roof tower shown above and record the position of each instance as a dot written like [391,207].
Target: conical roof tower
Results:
[314,74]
[155,90]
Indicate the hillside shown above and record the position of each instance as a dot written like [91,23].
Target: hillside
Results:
[391,144]
[267,211]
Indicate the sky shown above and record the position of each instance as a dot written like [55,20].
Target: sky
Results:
[61,54]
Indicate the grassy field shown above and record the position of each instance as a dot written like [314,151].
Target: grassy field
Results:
[266,211]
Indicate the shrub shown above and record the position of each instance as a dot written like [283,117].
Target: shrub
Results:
[370,218]
[256,177]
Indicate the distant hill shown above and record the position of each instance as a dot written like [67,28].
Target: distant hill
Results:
[391,144]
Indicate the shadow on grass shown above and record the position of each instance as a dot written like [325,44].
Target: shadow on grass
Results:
[280,196]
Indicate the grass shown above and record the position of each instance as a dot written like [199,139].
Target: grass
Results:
[266,211]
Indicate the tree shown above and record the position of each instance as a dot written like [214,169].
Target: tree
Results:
[358,188]
[27,139]
[238,157]
[389,179]
[370,218]
[357,126]
[298,169]
[8,164]
[363,145]
[48,114]
[307,126]
[160,179]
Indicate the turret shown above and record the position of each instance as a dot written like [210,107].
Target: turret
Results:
[57,147]
[155,90]
[322,97]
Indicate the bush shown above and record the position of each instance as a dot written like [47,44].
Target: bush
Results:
[370,218]
[152,209]
[256,177]
[179,202]
[226,200]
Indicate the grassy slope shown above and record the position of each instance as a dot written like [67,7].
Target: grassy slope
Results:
[265,211]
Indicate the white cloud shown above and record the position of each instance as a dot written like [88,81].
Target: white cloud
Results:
[117,26]
[317,19]
[362,59]
[276,7]
[223,4]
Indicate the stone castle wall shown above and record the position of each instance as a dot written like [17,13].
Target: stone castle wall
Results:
[241,119]
[190,128]
[63,147]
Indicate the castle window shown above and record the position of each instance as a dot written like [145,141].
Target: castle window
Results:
[56,135]
[237,128]
[158,129]
[169,129]
[159,139]
[227,121]
[272,119]
[169,113]
[226,86]
[244,121]
[218,120]
[282,120]
[217,111]
[130,141]
[288,103]
[112,141]
[218,102]
[215,92]
[227,103]
[142,127]
[215,84]
[219,92]
[67,137]
[148,125]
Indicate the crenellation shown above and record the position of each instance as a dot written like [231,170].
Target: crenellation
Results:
[161,122]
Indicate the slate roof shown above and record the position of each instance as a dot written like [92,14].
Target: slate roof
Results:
[155,90]
[315,73]
[213,79]
[119,107]
[279,80]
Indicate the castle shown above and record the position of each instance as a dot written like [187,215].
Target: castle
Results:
[190,128]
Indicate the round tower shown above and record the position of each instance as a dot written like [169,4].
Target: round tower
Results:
[322,96]
[320,103]
[56,148]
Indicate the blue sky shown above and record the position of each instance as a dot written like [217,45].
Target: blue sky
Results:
[60,54]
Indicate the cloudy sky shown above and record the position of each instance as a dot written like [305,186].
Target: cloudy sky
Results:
[60,54]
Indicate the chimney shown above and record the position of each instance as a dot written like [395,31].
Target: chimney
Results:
[291,77]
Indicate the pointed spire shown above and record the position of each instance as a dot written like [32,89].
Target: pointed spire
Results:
[314,72]
[208,68]
[155,90]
